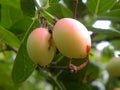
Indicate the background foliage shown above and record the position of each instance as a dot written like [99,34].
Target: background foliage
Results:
[18,18]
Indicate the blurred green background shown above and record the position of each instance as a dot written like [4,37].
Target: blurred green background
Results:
[18,19]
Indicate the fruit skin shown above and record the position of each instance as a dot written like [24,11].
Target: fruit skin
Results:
[39,47]
[113,67]
[71,38]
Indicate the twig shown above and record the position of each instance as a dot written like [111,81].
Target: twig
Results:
[58,67]
[11,48]
[53,78]
[8,48]
[74,68]
[71,67]
[75,9]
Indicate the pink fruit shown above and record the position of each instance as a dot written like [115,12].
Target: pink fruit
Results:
[71,38]
[39,48]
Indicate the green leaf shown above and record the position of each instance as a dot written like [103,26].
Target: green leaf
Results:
[0,12]
[19,28]
[104,34]
[10,15]
[53,9]
[15,3]
[99,37]
[107,32]
[8,37]
[107,53]
[5,74]
[28,7]
[98,7]
[116,6]
[23,65]
[93,71]
[116,44]
[112,15]
[53,1]
[66,12]
[81,7]
[63,11]
[74,79]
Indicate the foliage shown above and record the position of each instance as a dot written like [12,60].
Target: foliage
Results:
[19,18]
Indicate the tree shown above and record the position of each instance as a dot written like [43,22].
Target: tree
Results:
[19,18]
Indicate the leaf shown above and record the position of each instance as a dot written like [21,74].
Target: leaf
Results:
[19,28]
[23,65]
[66,12]
[116,6]
[98,7]
[8,37]
[81,7]
[116,44]
[63,11]
[74,79]
[108,32]
[10,15]
[5,74]
[53,9]
[99,37]
[112,15]
[107,53]
[28,7]
[15,3]
[93,71]
[104,34]
[53,1]
[0,12]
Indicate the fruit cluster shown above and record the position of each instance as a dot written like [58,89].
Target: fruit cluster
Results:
[69,36]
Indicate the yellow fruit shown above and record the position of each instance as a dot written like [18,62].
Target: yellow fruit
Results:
[113,67]
[71,38]
[39,48]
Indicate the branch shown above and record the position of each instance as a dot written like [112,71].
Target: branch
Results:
[11,48]
[71,67]
[58,67]
[75,9]
[8,48]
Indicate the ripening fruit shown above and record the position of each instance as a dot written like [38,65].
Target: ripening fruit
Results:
[113,67]
[71,38]
[39,48]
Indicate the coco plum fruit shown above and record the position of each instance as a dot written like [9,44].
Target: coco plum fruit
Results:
[39,48]
[71,38]
[113,67]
